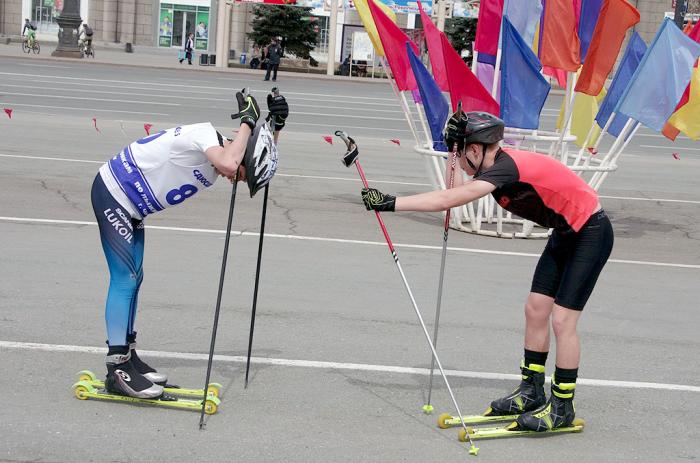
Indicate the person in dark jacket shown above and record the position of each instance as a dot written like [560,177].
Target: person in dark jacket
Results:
[189,46]
[273,52]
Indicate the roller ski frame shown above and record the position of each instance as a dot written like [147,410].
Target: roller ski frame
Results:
[84,390]
[446,420]
[511,430]
[214,389]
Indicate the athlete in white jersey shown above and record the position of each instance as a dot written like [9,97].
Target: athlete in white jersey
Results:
[148,175]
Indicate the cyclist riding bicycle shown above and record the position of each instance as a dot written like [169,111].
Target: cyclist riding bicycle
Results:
[30,29]
[85,38]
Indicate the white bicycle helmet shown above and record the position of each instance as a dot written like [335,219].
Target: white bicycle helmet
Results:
[260,159]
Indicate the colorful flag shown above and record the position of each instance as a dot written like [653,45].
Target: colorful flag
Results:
[687,118]
[437,61]
[434,104]
[590,9]
[669,130]
[523,89]
[394,42]
[616,16]
[630,60]
[524,16]
[464,86]
[559,45]
[485,69]
[367,21]
[658,83]
[489,26]
[583,117]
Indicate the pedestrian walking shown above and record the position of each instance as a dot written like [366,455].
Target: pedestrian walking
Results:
[538,188]
[273,52]
[189,46]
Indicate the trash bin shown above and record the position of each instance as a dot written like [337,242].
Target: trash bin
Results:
[243,57]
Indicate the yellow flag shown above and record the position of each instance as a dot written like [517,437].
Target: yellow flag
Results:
[368,22]
[583,117]
[687,118]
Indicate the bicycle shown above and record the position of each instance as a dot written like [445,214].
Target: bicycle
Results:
[87,50]
[31,44]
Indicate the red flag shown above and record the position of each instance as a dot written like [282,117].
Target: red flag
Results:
[394,44]
[395,141]
[615,17]
[328,139]
[676,156]
[437,61]
[464,86]
[688,27]
[669,131]
[488,26]
[558,74]
[8,111]
[94,122]
[147,128]
[560,46]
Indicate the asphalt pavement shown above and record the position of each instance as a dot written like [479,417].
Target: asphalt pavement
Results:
[340,367]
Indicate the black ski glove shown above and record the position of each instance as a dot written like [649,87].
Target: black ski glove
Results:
[248,110]
[455,131]
[279,110]
[378,201]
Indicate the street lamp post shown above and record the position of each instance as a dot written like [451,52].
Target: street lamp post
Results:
[68,23]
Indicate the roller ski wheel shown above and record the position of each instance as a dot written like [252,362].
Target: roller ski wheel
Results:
[446,420]
[84,390]
[214,389]
[513,430]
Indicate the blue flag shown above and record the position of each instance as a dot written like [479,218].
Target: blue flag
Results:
[590,10]
[435,105]
[629,63]
[661,78]
[523,89]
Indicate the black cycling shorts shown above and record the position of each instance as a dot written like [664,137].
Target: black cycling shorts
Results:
[571,262]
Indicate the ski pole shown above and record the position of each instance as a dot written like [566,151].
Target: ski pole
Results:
[255,291]
[349,159]
[275,91]
[428,408]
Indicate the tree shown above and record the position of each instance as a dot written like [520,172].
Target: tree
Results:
[293,23]
[461,32]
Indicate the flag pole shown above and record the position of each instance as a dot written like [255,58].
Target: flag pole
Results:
[603,132]
[402,101]
[617,155]
[620,139]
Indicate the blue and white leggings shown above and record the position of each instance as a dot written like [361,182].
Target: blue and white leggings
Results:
[122,241]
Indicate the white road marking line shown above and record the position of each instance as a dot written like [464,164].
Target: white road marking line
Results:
[90,98]
[390,182]
[87,109]
[342,241]
[53,348]
[670,148]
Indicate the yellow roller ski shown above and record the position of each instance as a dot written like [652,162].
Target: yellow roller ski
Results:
[214,389]
[84,390]
[448,421]
[512,430]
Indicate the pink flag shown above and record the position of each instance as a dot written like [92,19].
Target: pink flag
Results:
[8,111]
[437,61]
[489,26]
[328,139]
[464,86]
[558,74]
[395,141]
[394,44]
[94,122]
[147,128]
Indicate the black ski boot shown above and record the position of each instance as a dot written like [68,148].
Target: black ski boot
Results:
[528,396]
[142,367]
[124,379]
[558,412]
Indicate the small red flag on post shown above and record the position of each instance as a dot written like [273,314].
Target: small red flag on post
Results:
[676,156]
[8,111]
[147,128]
[94,122]
[395,141]
[328,139]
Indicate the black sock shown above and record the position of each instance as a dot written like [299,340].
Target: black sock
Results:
[118,350]
[538,358]
[565,375]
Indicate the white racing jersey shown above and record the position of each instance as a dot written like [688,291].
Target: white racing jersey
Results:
[162,170]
